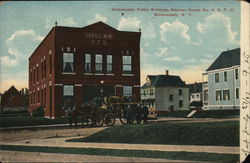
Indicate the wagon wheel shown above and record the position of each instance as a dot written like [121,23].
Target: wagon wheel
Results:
[109,119]
[98,121]
[122,118]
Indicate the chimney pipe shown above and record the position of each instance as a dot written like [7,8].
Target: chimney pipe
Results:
[167,73]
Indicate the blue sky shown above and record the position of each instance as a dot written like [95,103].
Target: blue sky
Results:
[184,45]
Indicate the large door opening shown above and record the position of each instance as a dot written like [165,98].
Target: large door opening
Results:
[91,92]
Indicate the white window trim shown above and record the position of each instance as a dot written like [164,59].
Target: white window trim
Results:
[226,89]
[235,93]
[68,73]
[128,75]
[99,74]
[215,77]
[220,94]
[108,74]
[224,76]
[86,73]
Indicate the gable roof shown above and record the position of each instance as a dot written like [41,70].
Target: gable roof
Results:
[101,24]
[164,81]
[226,59]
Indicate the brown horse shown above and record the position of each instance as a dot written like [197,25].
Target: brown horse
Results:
[88,111]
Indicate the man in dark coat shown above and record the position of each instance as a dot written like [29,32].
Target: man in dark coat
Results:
[138,112]
[145,113]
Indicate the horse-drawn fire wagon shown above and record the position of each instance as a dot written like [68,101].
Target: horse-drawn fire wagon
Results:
[99,111]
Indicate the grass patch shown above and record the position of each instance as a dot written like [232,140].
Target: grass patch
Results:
[203,114]
[29,121]
[205,133]
[191,156]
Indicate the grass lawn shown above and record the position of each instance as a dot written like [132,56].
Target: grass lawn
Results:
[197,133]
[203,114]
[29,121]
[193,156]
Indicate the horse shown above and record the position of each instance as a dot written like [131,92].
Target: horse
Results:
[88,111]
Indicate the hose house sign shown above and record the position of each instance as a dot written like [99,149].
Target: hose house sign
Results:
[98,39]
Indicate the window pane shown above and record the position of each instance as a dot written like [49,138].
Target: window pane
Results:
[109,68]
[126,59]
[217,78]
[87,58]
[127,90]
[109,59]
[98,58]
[127,68]
[236,74]
[225,76]
[68,57]
[237,93]
[218,95]
[98,67]
[68,90]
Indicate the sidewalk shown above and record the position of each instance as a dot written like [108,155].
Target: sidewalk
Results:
[11,156]
[61,142]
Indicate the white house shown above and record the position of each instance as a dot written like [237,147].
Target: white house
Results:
[223,85]
[165,93]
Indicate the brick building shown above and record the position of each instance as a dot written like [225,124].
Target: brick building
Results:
[13,100]
[77,63]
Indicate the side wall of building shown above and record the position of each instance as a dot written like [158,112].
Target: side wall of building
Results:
[41,76]
[164,102]
[230,84]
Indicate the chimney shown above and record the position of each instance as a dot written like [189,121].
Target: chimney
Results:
[167,72]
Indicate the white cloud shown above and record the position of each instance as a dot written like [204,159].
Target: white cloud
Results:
[25,33]
[129,24]
[148,30]
[162,52]
[15,45]
[177,58]
[6,60]
[176,28]
[214,22]
[97,18]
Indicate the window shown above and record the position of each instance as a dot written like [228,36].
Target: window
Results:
[126,60]
[217,78]
[181,103]
[50,64]
[68,90]
[38,96]
[31,77]
[225,76]
[197,96]
[226,95]
[127,90]
[218,95]
[205,95]
[98,63]
[151,92]
[171,98]
[193,96]
[68,62]
[44,68]
[87,63]
[144,92]
[36,74]
[236,74]
[180,92]
[237,91]
[109,63]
